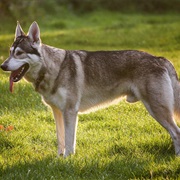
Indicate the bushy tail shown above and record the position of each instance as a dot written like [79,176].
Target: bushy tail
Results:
[176,88]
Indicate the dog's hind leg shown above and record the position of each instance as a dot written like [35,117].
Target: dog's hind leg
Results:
[159,102]
[165,117]
[59,130]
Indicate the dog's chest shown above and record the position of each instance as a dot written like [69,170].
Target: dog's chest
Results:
[57,99]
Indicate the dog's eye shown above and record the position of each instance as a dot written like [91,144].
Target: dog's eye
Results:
[19,53]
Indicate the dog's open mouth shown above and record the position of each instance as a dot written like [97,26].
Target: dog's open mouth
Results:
[17,75]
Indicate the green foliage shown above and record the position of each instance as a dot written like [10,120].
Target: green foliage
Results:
[119,142]
[16,9]
[150,6]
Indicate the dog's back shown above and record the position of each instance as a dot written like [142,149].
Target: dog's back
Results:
[109,75]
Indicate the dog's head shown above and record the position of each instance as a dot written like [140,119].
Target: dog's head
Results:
[24,53]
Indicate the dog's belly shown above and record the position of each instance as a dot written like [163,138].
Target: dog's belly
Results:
[96,98]
[93,104]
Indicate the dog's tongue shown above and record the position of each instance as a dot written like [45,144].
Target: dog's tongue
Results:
[11,83]
[11,79]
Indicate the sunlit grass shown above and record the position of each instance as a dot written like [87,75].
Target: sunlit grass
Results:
[119,142]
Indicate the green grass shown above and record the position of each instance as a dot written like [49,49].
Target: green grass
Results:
[119,142]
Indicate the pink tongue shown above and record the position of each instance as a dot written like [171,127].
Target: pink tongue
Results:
[11,83]
[14,74]
[11,78]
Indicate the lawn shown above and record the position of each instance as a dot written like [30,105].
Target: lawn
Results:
[119,142]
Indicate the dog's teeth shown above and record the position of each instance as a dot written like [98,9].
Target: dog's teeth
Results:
[22,70]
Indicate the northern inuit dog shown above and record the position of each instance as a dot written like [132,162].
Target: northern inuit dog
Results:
[74,81]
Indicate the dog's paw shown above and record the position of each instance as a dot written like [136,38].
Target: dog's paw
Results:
[61,152]
[68,153]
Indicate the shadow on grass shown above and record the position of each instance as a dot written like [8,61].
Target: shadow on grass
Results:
[157,149]
[124,165]
[52,168]
[156,162]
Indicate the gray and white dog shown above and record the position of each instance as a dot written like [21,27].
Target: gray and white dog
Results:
[75,81]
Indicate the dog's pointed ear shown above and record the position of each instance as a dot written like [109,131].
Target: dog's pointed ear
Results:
[19,31]
[34,33]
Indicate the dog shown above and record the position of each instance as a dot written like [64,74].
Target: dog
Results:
[76,81]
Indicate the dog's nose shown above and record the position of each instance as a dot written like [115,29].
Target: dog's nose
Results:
[4,67]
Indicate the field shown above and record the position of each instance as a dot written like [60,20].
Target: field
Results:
[119,142]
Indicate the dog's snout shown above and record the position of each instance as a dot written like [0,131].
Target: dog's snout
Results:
[4,67]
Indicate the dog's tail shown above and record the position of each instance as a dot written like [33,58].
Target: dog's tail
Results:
[176,90]
[175,86]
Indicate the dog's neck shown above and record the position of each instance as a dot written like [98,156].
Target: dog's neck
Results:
[49,66]
[40,78]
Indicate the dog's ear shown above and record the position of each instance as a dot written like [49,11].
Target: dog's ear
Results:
[19,31]
[34,33]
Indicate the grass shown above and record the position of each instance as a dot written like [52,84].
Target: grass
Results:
[119,142]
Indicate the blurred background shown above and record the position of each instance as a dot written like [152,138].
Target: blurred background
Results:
[16,9]
[77,23]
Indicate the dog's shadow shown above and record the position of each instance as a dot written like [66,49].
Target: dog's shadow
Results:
[157,149]
[156,162]
[122,164]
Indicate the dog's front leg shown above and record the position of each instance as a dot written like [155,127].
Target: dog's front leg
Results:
[59,130]
[70,125]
